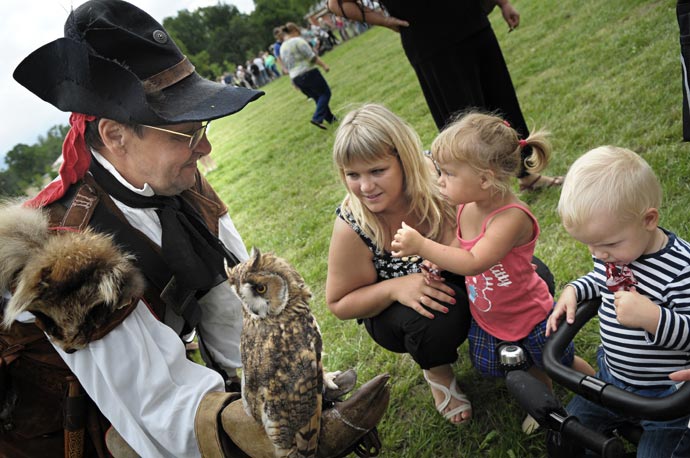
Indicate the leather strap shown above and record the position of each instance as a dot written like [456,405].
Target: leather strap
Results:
[169,76]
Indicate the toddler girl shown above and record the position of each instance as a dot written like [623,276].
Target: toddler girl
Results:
[477,156]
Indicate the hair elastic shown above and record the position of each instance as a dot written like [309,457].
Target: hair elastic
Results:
[522,142]
[506,123]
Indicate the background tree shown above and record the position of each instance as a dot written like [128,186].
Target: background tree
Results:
[30,165]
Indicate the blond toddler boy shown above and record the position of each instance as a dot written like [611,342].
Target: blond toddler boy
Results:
[610,202]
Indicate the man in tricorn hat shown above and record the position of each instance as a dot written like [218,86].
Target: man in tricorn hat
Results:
[138,127]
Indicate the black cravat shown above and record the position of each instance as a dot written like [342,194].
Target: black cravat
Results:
[192,252]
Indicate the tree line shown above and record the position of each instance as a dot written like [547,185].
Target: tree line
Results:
[217,38]
[214,38]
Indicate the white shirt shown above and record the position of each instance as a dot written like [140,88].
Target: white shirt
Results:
[138,374]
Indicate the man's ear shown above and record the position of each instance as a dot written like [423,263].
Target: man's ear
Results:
[650,219]
[113,135]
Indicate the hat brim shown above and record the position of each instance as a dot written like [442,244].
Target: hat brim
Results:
[65,74]
[198,99]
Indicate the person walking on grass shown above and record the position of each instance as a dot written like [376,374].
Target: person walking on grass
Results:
[477,156]
[299,59]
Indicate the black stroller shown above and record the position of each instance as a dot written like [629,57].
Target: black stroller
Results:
[567,437]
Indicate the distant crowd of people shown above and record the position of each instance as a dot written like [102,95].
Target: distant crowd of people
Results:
[267,66]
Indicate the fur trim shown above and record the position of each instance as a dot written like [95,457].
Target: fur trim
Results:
[71,281]
[23,232]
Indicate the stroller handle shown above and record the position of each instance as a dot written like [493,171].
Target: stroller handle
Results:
[673,406]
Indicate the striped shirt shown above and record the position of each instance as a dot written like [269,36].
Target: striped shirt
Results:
[634,356]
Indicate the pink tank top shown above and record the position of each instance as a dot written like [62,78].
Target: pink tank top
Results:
[509,299]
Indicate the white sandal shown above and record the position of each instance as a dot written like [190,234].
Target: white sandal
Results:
[447,393]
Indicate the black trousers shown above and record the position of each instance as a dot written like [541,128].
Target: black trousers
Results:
[468,75]
[430,342]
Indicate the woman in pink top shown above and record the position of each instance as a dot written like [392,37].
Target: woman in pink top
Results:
[477,156]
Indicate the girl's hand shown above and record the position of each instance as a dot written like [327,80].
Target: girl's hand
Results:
[406,242]
[566,305]
[431,271]
[416,292]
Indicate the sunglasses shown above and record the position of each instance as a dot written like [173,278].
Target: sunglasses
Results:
[194,138]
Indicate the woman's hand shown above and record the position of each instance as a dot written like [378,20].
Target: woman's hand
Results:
[394,23]
[417,292]
[510,14]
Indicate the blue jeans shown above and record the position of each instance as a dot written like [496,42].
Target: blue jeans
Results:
[314,86]
[659,439]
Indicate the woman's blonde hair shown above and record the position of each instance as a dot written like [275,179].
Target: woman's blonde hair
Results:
[372,132]
[610,181]
[488,144]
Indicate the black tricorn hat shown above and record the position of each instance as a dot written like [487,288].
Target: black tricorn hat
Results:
[117,62]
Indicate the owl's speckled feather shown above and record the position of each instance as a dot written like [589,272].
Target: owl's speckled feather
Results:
[282,376]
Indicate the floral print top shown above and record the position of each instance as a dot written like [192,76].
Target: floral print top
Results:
[387,266]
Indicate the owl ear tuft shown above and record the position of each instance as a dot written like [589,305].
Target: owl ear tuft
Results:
[255,256]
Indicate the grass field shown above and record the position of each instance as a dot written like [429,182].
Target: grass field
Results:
[592,72]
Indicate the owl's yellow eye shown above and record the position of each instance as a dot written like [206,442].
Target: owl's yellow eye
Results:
[260,288]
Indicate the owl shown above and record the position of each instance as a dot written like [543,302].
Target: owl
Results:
[70,281]
[282,375]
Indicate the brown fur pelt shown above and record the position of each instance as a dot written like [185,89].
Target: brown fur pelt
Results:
[71,281]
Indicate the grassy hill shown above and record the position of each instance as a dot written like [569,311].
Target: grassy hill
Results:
[591,72]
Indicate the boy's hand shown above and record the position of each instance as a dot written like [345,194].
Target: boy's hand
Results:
[634,310]
[406,242]
[566,305]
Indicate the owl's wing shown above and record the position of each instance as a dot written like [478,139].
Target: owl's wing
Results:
[292,415]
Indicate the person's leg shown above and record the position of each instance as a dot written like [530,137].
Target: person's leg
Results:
[322,95]
[431,343]
[499,95]
[449,400]
[661,438]
[682,449]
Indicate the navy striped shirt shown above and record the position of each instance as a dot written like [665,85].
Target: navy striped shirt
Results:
[634,356]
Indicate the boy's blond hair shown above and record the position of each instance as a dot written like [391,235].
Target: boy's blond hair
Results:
[488,144]
[608,180]
[372,132]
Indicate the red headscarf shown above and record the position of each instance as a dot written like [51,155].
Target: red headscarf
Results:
[76,160]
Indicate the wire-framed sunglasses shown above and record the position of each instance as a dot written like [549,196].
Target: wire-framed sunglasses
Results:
[194,138]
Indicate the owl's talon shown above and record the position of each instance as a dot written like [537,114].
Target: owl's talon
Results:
[343,382]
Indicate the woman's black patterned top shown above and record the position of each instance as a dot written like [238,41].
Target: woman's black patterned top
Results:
[385,264]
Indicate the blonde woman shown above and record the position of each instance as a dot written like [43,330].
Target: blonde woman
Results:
[380,161]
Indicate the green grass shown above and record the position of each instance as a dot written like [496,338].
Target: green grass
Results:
[591,72]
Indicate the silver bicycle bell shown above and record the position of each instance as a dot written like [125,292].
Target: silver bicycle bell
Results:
[512,357]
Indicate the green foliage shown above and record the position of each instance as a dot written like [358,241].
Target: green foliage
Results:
[218,37]
[28,165]
[591,72]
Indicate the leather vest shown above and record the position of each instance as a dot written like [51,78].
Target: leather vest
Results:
[41,404]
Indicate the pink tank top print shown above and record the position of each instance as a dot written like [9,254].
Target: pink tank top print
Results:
[508,299]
